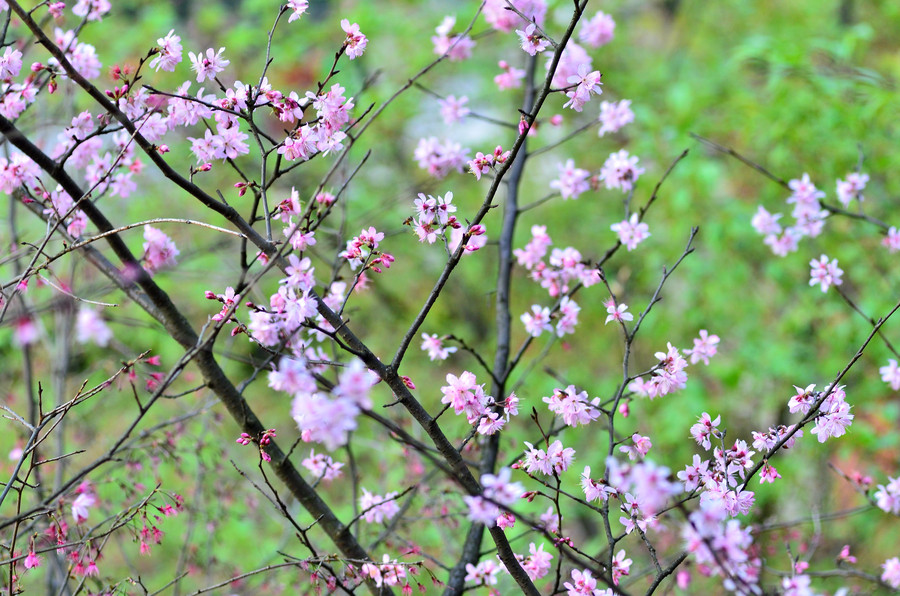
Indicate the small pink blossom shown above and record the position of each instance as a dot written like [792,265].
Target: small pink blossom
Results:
[890,374]
[891,574]
[572,181]
[159,250]
[510,78]
[453,110]
[825,273]
[598,31]
[434,345]
[631,232]
[537,321]
[298,8]
[851,188]
[620,171]
[614,115]
[704,347]
[169,55]
[210,66]
[355,42]
[32,560]
[532,42]
[892,240]
[617,312]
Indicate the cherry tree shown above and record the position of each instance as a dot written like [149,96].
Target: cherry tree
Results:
[493,460]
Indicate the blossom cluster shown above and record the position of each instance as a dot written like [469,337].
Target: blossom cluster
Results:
[466,396]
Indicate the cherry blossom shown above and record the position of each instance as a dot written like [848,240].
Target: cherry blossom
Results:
[434,345]
[621,566]
[32,560]
[614,115]
[887,497]
[598,31]
[537,321]
[572,181]
[10,63]
[498,15]
[892,240]
[891,574]
[210,66]
[453,110]
[455,47]
[587,83]
[378,508]
[355,42]
[890,374]
[766,223]
[620,171]
[851,188]
[704,347]
[825,273]
[595,490]
[583,584]
[440,158]
[532,42]
[159,250]
[537,563]
[705,429]
[89,326]
[631,232]
[573,406]
[617,312]
[510,78]
[93,10]
[169,52]
[298,8]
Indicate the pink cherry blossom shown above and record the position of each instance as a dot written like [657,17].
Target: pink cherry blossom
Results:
[598,31]
[825,273]
[766,223]
[631,232]
[159,250]
[502,19]
[532,42]
[851,188]
[891,574]
[890,374]
[587,83]
[573,406]
[614,115]
[32,560]
[355,42]
[617,312]
[169,55]
[210,66]
[704,347]
[298,8]
[10,63]
[705,429]
[456,47]
[892,240]
[572,181]
[90,326]
[620,171]
[537,321]
[510,78]
[453,110]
